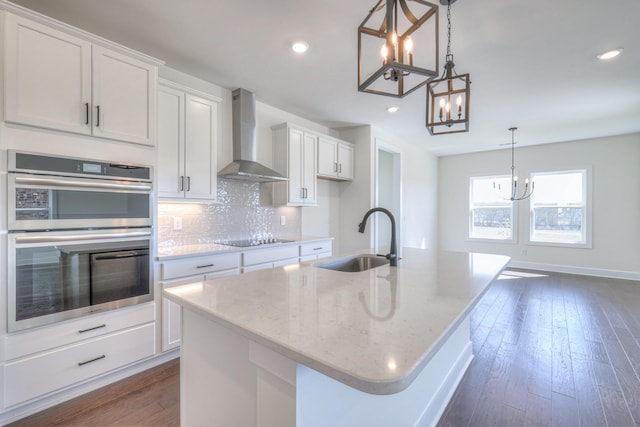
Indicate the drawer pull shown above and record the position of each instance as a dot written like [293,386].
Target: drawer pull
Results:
[316,249]
[92,329]
[205,266]
[92,360]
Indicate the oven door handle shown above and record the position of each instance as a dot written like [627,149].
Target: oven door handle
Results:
[119,255]
[77,183]
[47,238]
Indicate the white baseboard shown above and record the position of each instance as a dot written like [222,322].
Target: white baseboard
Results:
[37,405]
[585,271]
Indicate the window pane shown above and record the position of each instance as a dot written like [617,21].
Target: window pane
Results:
[560,225]
[490,210]
[491,223]
[558,189]
[558,207]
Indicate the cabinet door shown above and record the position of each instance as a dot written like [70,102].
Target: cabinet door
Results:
[170,143]
[123,97]
[327,157]
[296,178]
[200,148]
[309,165]
[48,77]
[345,161]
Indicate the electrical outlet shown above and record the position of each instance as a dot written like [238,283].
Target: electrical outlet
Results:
[283,220]
[177,223]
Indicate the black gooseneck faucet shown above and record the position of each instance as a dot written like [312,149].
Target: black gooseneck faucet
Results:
[393,255]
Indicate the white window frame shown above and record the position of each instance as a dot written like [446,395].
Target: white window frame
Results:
[587,217]
[514,212]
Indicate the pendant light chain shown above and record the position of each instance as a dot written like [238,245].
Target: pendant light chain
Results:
[449,56]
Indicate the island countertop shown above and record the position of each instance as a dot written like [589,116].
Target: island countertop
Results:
[373,330]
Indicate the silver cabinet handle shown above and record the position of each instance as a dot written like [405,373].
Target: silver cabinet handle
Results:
[47,238]
[92,360]
[70,183]
[119,255]
[339,167]
[188,183]
[335,167]
[86,113]
[81,331]
[316,249]
[302,193]
[181,183]
[97,116]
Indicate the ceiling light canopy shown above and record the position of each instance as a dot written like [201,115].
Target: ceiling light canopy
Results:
[448,98]
[299,46]
[398,47]
[610,54]
[393,109]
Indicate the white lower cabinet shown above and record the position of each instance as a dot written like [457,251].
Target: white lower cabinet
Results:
[182,272]
[316,250]
[260,259]
[48,359]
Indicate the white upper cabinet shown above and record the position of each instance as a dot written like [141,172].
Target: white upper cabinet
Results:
[294,156]
[58,81]
[123,97]
[335,159]
[187,143]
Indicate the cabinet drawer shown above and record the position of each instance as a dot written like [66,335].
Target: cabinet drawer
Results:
[315,248]
[262,256]
[65,333]
[35,376]
[199,265]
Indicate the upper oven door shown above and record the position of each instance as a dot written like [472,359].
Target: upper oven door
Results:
[47,202]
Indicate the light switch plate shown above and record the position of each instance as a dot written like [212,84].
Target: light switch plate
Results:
[177,223]
[283,220]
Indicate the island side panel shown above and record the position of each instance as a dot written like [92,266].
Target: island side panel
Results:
[217,379]
[323,401]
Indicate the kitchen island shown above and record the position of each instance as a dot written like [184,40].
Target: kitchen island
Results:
[309,346]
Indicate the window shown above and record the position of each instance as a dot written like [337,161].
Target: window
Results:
[559,208]
[490,211]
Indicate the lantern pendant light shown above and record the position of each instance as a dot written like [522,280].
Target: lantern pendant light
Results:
[398,47]
[448,98]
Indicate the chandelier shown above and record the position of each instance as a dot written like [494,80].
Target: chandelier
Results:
[394,54]
[442,115]
[527,192]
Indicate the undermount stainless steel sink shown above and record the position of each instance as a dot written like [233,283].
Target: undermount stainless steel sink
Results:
[353,263]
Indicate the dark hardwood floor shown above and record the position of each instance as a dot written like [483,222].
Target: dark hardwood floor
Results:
[151,398]
[550,350]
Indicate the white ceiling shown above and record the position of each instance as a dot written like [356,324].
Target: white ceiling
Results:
[532,63]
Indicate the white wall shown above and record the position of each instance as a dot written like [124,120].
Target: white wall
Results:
[616,204]
[419,191]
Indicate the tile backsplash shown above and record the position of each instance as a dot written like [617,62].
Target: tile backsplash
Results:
[243,211]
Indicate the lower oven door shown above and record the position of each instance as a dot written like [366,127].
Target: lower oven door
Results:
[60,275]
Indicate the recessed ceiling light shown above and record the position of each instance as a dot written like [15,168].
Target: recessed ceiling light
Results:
[392,109]
[300,46]
[610,54]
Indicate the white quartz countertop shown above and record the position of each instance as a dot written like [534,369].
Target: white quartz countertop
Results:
[373,330]
[169,252]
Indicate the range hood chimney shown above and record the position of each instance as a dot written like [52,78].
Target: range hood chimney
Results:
[244,166]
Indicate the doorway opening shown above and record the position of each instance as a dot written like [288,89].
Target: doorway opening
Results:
[388,194]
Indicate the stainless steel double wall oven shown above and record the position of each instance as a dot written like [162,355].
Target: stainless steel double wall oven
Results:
[79,237]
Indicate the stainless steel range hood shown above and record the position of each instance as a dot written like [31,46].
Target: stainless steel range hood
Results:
[244,166]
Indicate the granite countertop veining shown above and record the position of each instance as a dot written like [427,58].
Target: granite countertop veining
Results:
[166,253]
[373,330]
